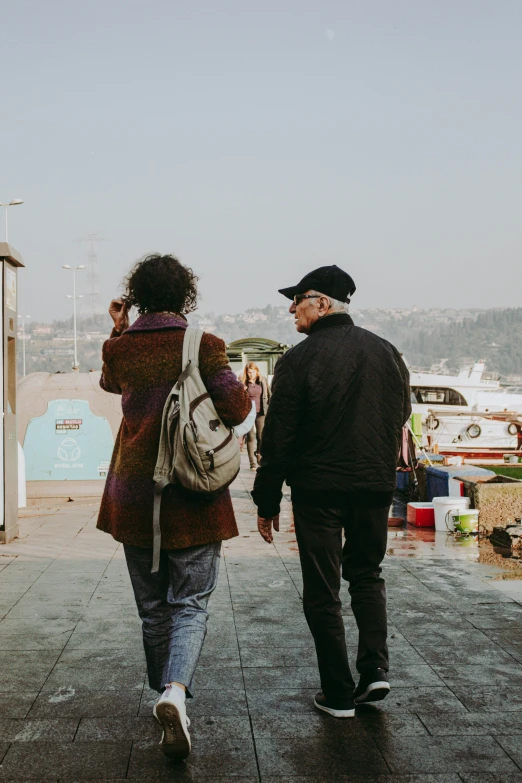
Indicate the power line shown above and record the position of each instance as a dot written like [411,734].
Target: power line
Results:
[92,299]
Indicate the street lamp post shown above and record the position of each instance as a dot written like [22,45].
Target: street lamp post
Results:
[14,203]
[23,319]
[76,366]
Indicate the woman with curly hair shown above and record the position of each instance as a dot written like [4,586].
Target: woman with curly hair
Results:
[142,362]
[259,392]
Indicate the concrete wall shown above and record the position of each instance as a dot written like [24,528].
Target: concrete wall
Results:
[35,392]
[499,501]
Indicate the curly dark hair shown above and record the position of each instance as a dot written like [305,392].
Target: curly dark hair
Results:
[159,284]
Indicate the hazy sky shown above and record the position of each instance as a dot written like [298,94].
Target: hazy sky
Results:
[258,140]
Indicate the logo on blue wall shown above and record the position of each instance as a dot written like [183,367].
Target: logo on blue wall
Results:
[68,442]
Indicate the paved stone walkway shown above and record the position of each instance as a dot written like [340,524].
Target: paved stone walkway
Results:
[74,704]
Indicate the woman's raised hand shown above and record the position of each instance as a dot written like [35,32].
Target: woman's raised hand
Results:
[119,313]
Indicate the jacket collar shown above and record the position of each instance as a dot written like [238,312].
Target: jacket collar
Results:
[150,322]
[337,319]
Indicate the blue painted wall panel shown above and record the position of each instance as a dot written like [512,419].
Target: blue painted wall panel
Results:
[68,443]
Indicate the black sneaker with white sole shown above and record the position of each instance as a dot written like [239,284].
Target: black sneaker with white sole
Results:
[335,707]
[373,686]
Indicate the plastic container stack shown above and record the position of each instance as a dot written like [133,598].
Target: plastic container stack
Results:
[421,514]
[438,478]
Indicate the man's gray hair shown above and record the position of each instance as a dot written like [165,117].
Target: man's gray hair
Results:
[335,304]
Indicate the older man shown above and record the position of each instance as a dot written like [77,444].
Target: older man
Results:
[333,430]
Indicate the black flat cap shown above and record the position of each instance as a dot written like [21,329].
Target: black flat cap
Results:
[329,280]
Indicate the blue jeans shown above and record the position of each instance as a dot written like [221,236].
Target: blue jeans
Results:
[172,605]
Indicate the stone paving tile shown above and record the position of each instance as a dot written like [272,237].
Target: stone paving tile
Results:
[16,730]
[451,778]
[319,755]
[396,639]
[414,618]
[118,729]
[78,703]
[101,627]
[276,638]
[506,637]
[489,698]
[486,623]
[65,676]
[16,705]
[445,754]
[512,745]
[319,724]
[111,639]
[282,677]
[25,670]
[464,656]
[435,635]
[264,657]
[103,658]
[52,760]
[419,699]
[208,757]
[412,675]
[218,677]
[222,657]
[491,777]
[510,610]
[33,641]
[401,656]
[492,674]
[29,609]
[473,723]
[285,701]
[386,778]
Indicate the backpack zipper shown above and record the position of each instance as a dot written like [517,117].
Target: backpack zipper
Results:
[211,452]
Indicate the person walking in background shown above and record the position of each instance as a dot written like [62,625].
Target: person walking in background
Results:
[142,362]
[333,431]
[259,392]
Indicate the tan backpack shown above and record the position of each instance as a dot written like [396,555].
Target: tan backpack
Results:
[196,449]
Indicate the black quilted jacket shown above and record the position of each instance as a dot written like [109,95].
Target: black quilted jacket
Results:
[333,429]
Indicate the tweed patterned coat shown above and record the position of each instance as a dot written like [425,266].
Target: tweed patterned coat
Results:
[142,365]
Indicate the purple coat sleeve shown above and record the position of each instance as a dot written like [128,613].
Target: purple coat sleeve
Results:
[108,380]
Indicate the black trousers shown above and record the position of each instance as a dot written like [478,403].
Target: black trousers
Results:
[323,559]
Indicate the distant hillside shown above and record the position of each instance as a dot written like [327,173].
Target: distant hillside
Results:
[427,338]
[493,335]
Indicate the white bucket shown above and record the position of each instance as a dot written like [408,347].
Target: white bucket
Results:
[442,506]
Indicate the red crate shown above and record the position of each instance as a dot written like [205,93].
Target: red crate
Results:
[421,514]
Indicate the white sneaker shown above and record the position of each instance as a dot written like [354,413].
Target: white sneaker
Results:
[171,713]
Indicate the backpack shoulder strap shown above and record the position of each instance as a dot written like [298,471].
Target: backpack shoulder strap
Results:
[191,343]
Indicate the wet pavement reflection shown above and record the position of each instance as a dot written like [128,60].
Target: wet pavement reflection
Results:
[411,541]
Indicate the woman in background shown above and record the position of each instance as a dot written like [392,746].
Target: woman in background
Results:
[259,392]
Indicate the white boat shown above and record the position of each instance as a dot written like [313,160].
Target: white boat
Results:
[468,414]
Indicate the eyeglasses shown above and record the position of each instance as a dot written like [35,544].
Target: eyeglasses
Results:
[298,298]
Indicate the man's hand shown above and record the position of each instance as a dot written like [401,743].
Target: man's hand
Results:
[265,527]
[120,315]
